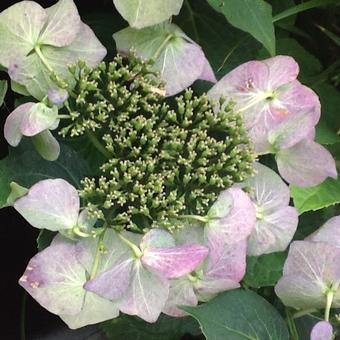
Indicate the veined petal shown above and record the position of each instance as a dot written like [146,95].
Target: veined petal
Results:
[243,85]
[328,232]
[181,293]
[238,223]
[147,294]
[179,60]
[20,27]
[157,238]
[113,283]
[225,261]
[208,287]
[55,279]
[12,130]
[293,130]
[282,70]
[95,309]
[306,164]
[323,330]
[174,262]
[62,25]
[273,232]
[39,118]
[310,270]
[267,189]
[51,204]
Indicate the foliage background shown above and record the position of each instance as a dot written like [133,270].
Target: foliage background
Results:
[226,47]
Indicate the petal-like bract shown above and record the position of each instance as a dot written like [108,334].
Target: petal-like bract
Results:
[311,270]
[306,164]
[51,204]
[179,60]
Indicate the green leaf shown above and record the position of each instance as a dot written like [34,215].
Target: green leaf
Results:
[331,35]
[3,90]
[264,270]
[224,46]
[318,197]
[166,328]
[44,239]
[25,166]
[252,16]
[326,132]
[238,315]
[302,7]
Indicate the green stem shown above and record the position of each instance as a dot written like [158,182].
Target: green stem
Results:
[160,48]
[195,218]
[97,144]
[329,301]
[304,312]
[97,256]
[42,58]
[138,253]
[64,117]
[76,230]
[291,326]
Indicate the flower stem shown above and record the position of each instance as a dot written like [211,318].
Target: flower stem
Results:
[161,47]
[97,256]
[194,217]
[329,301]
[42,58]
[303,312]
[138,253]
[97,144]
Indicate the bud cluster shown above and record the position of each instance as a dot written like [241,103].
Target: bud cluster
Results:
[164,158]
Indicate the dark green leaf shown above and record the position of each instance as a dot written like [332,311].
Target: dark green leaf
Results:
[252,16]
[166,328]
[318,197]
[44,239]
[304,326]
[331,35]
[3,90]
[239,315]
[302,7]
[24,166]
[264,270]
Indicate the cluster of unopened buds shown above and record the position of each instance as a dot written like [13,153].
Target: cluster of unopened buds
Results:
[94,270]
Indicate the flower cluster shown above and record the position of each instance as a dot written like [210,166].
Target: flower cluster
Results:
[162,160]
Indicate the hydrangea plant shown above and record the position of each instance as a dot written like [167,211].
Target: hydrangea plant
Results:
[182,205]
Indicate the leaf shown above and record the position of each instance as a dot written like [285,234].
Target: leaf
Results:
[25,167]
[252,16]
[44,239]
[331,35]
[166,328]
[143,13]
[239,314]
[317,197]
[225,46]
[3,90]
[302,7]
[264,270]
